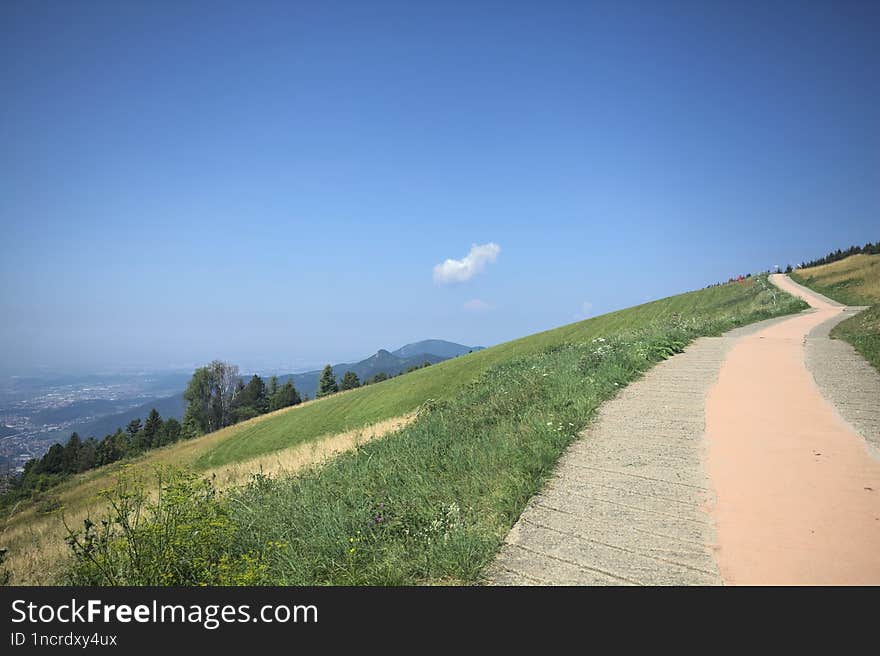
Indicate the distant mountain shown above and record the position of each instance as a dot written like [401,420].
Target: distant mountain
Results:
[167,406]
[411,355]
[438,347]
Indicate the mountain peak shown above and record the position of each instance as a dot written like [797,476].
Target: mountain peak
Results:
[438,347]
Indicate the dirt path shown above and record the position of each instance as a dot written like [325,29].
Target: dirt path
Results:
[797,490]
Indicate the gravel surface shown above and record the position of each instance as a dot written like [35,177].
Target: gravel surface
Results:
[847,380]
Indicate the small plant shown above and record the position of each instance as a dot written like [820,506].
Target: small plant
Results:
[183,536]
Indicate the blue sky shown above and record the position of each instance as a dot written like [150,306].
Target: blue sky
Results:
[273,184]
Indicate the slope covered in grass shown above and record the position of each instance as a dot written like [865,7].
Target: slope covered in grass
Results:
[852,281]
[433,501]
[442,381]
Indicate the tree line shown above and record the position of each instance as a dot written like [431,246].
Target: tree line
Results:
[216,397]
[327,383]
[78,455]
[834,256]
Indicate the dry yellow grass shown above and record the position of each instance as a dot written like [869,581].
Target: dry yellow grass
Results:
[304,455]
[36,541]
[854,280]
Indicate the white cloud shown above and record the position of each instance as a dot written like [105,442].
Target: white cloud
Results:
[477,305]
[473,263]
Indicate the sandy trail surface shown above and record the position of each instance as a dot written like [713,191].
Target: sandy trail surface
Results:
[797,489]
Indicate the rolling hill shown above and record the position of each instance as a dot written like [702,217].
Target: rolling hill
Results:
[173,406]
[383,361]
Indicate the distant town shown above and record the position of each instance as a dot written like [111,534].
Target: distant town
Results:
[37,412]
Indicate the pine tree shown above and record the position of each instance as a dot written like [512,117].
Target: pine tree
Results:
[287,396]
[254,395]
[350,380]
[327,385]
[132,430]
[171,431]
[51,462]
[88,453]
[70,456]
[151,436]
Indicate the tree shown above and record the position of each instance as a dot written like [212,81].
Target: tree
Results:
[273,386]
[51,462]
[87,455]
[210,396]
[111,448]
[252,396]
[70,456]
[272,393]
[151,436]
[171,431]
[350,380]
[132,430]
[198,401]
[327,385]
[287,396]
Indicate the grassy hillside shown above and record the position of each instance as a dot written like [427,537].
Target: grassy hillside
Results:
[853,281]
[401,395]
[446,488]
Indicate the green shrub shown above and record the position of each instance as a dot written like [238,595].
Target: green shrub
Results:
[183,536]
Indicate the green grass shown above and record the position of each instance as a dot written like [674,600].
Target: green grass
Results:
[433,502]
[404,394]
[852,281]
[863,332]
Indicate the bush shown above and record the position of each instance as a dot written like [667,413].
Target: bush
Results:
[180,537]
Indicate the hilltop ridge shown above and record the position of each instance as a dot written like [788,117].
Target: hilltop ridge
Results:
[385,362]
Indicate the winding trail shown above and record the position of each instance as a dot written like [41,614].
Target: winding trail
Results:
[724,464]
[797,488]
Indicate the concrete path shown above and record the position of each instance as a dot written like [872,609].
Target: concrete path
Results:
[630,502]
